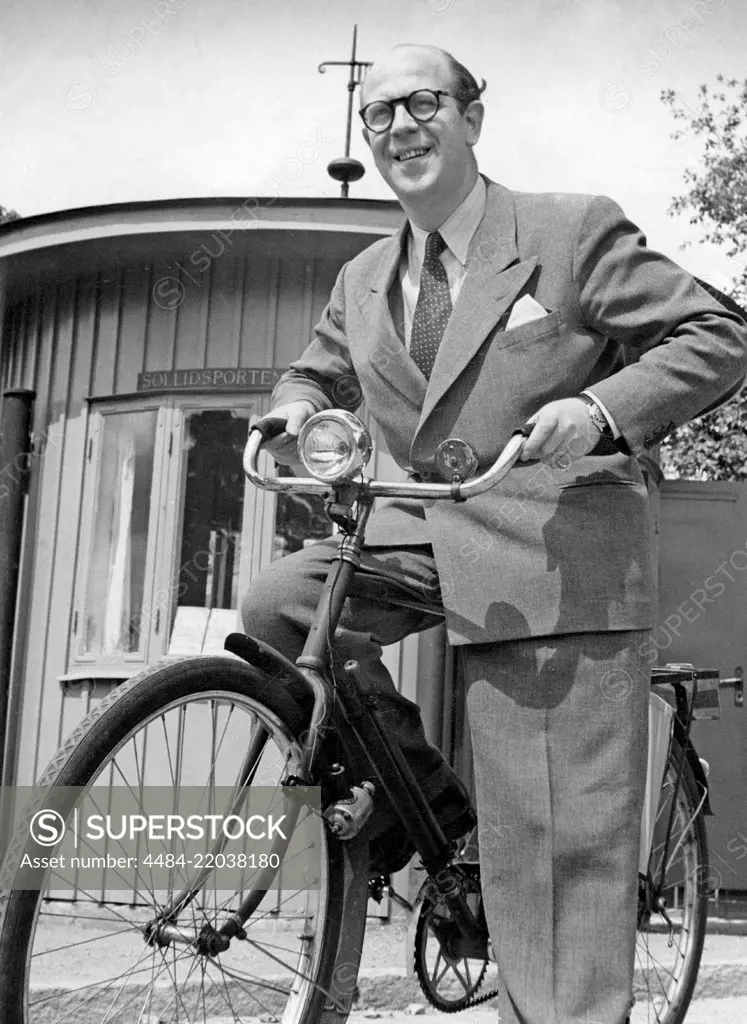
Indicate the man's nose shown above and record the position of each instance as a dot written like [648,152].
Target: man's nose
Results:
[403,122]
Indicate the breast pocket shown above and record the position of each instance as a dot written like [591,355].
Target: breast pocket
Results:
[532,331]
[535,363]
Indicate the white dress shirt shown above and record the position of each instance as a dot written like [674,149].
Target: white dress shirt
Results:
[457,232]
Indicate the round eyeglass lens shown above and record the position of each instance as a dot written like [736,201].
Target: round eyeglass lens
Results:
[423,105]
[378,115]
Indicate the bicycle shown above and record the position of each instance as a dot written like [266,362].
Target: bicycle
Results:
[294,954]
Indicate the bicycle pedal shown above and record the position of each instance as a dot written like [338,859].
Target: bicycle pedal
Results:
[377,888]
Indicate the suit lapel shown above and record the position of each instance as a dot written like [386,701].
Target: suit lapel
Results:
[493,280]
[383,344]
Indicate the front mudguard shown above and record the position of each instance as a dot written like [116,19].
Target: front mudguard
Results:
[310,698]
[336,740]
[278,669]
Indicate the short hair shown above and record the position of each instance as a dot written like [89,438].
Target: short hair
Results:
[466,89]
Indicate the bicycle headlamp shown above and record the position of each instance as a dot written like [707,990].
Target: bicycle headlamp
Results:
[334,445]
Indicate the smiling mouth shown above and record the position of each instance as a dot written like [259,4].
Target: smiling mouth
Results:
[411,154]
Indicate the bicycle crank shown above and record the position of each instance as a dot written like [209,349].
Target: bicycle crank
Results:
[450,969]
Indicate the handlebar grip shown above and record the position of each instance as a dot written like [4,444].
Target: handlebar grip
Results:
[270,427]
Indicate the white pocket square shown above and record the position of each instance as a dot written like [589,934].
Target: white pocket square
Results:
[524,311]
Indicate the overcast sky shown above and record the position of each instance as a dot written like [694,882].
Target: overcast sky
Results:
[105,101]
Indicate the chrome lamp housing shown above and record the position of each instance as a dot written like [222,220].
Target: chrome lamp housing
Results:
[334,445]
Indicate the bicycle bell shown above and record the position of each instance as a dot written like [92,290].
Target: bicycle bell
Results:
[334,445]
[455,459]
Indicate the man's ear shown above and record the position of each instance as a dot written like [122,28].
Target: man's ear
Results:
[366,138]
[473,115]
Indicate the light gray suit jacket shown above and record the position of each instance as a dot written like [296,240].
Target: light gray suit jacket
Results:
[545,551]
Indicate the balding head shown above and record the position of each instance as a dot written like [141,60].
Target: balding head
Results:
[462,83]
[407,58]
[423,145]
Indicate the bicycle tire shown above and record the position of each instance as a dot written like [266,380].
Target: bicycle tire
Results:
[663,988]
[321,987]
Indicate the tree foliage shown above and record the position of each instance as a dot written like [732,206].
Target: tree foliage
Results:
[6,215]
[714,447]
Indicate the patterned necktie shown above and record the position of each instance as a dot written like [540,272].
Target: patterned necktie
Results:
[433,307]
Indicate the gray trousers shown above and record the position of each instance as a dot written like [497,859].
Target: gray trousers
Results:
[559,733]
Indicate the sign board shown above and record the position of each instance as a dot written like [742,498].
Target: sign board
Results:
[258,378]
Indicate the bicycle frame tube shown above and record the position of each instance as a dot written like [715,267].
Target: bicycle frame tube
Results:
[404,793]
[315,662]
[686,724]
[402,789]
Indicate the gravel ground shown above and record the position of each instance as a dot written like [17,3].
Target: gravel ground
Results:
[702,1011]
[79,956]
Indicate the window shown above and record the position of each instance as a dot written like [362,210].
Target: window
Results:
[111,623]
[115,592]
[300,520]
[213,446]
[165,508]
[208,576]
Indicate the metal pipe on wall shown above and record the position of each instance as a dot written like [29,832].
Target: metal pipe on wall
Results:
[15,448]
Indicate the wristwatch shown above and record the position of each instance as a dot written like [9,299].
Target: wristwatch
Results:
[597,417]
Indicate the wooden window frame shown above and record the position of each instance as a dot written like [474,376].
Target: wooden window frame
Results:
[164,525]
[119,663]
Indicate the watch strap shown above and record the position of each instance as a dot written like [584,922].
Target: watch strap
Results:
[597,417]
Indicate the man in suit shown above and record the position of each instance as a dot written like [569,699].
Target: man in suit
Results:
[490,308]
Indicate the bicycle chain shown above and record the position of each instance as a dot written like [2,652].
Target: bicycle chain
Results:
[459,1007]
[474,1001]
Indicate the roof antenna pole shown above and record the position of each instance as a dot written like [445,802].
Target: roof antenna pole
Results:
[346,169]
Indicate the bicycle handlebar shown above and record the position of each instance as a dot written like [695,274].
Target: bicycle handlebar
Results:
[270,427]
[267,428]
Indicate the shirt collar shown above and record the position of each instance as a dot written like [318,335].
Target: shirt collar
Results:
[457,230]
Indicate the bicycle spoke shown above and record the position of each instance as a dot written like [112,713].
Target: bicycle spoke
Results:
[93,987]
[441,976]
[84,942]
[668,949]
[154,959]
[464,984]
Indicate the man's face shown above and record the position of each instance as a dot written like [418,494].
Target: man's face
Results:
[431,160]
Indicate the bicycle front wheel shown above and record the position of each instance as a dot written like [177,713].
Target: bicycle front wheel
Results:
[673,899]
[81,954]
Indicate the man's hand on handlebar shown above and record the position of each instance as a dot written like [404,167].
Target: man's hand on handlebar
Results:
[283,446]
[563,432]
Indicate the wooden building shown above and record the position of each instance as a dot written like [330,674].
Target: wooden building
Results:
[150,333]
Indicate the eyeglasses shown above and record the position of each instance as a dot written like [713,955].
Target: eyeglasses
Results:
[422,105]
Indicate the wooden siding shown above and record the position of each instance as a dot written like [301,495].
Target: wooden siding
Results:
[86,331]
